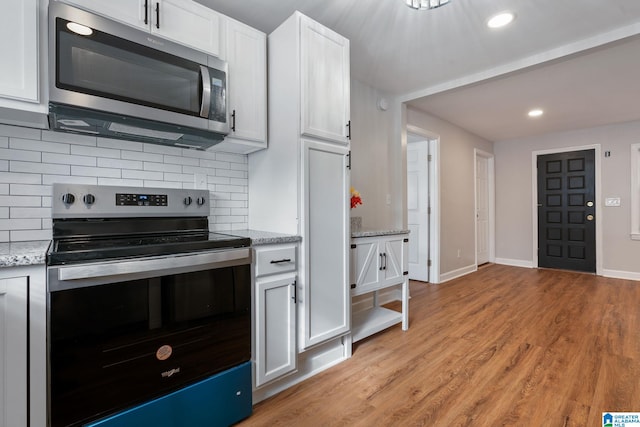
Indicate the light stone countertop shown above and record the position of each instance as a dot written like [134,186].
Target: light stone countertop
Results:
[259,237]
[23,253]
[32,253]
[377,232]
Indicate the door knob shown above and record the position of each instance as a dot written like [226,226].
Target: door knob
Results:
[589,217]
[590,203]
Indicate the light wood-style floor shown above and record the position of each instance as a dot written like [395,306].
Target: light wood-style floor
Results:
[502,346]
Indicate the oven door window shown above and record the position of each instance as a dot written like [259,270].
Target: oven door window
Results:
[111,67]
[117,344]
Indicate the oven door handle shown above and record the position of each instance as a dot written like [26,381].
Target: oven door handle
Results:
[211,260]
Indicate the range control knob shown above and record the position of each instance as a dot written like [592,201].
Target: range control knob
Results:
[68,198]
[89,199]
[200,201]
[188,200]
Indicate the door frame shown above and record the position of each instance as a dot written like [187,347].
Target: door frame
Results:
[491,179]
[598,192]
[434,198]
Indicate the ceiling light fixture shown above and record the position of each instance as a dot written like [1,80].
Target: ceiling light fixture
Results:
[535,113]
[500,20]
[425,4]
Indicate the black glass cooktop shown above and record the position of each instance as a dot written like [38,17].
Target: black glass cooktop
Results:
[85,249]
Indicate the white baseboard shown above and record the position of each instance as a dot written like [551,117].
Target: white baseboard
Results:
[515,262]
[619,274]
[445,277]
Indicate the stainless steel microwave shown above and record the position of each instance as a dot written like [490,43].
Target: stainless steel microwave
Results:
[109,79]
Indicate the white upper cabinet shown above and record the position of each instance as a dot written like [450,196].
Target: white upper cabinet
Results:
[325,83]
[246,54]
[182,21]
[19,50]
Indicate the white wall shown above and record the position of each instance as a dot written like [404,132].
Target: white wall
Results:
[514,211]
[31,160]
[457,191]
[371,169]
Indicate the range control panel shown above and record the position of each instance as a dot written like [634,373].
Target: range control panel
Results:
[129,199]
[102,201]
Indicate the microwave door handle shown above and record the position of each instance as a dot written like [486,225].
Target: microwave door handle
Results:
[206,91]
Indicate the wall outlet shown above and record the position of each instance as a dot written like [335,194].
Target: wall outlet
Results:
[459,253]
[612,201]
[200,181]
[388,199]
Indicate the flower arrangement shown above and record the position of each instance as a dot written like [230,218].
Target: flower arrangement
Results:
[355,198]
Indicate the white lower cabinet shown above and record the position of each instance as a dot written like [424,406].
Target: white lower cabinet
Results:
[378,263]
[275,312]
[13,351]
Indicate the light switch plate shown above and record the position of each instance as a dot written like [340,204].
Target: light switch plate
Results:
[200,181]
[612,201]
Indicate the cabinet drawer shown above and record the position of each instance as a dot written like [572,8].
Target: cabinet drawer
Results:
[275,260]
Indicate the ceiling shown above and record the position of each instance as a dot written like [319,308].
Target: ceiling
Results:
[576,59]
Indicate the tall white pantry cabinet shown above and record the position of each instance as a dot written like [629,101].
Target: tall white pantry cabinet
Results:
[300,184]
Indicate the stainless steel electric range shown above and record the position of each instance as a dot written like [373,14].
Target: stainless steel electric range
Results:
[149,314]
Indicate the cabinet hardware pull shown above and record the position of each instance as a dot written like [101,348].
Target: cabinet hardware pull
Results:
[279,261]
[158,15]
[146,12]
[295,291]
[233,121]
[349,130]
[349,163]
[380,262]
[385,261]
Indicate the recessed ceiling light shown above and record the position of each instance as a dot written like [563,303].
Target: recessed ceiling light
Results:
[500,20]
[535,113]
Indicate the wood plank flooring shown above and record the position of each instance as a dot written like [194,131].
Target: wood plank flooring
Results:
[502,346]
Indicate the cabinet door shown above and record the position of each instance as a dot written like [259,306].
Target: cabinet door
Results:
[275,328]
[392,259]
[188,23]
[130,12]
[13,351]
[326,303]
[246,55]
[19,49]
[367,260]
[325,91]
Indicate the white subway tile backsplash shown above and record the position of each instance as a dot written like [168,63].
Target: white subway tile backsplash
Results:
[11,201]
[69,159]
[120,144]
[69,138]
[150,175]
[24,155]
[37,145]
[81,150]
[30,190]
[28,235]
[121,182]
[68,179]
[20,132]
[188,161]
[161,167]
[103,172]
[20,178]
[119,163]
[20,212]
[145,157]
[25,185]
[32,167]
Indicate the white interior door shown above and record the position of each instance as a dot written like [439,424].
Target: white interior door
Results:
[418,209]
[482,210]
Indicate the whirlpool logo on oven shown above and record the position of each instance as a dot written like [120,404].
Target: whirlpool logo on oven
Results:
[170,373]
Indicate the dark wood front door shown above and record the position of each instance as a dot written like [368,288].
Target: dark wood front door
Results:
[566,211]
